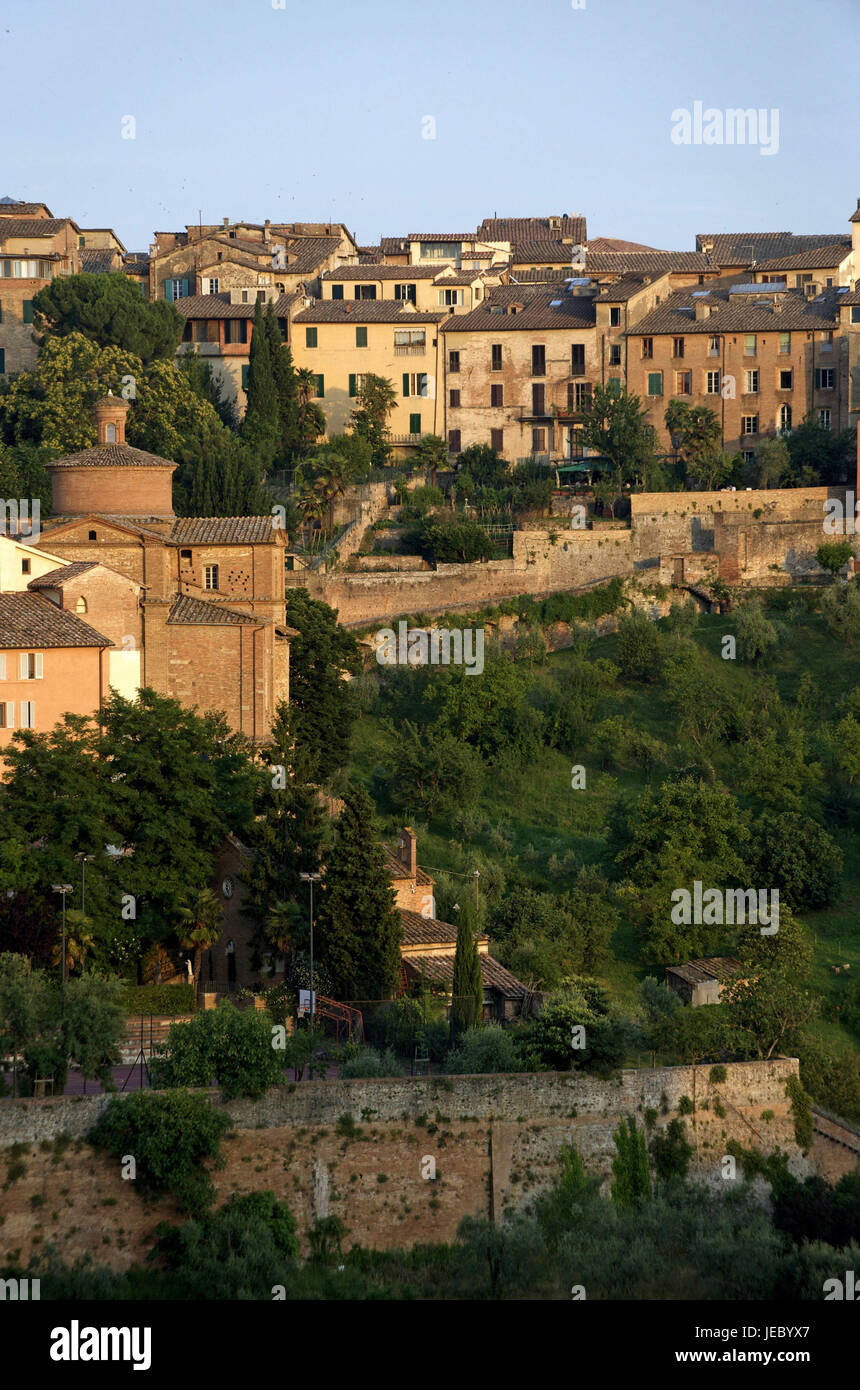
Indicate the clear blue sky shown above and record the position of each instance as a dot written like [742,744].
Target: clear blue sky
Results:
[315,111]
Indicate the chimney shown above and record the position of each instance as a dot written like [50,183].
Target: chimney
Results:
[226,222]
[110,413]
[703,311]
[266,229]
[407,848]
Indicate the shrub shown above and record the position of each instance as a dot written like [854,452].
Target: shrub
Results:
[169,1136]
[166,1001]
[225,1045]
[369,1063]
[484,1049]
[639,651]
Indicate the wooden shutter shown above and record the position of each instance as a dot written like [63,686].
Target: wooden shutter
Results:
[23,666]
[168,289]
[406,383]
[414,424]
[352,390]
[10,714]
[40,665]
[2,666]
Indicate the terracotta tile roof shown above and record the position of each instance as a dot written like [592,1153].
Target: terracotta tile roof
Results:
[426,931]
[96,260]
[10,207]
[218,306]
[625,262]
[382,272]
[196,612]
[310,252]
[111,456]
[740,248]
[739,313]
[33,226]
[393,245]
[549,276]
[444,236]
[58,578]
[554,251]
[696,972]
[610,243]
[29,620]
[459,277]
[820,258]
[518,229]
[620,290]
[441,968]
[222,530]
[539,312]
[398,869]
[363,311]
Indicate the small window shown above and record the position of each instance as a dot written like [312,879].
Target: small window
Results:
[7,714]
[414,424]
[613,385]
[786,380]
[210,576]
[712,383]
[28,715]
[785,419]
[751,383]
[337,291]
[497,394]
[31,667]
[454,398]
[28,318]
[647,347]
[25,566]
[684,383]
[538,441]
[577,359]
[750,344]
[454,441]
[92,536]
[855,316]
[824,418]
[749,424]
[246,376]
[81,605]
[538,360]
[655,383]
[825,378]
[827,340]
[110,434]
[496,357]
[360,336]
[785,342]
[614,317]
[713,345]
[320,391]
[677,347]
[453,361]
[615,355]
[185,557]
[310,337]
[365,291]
[497,440]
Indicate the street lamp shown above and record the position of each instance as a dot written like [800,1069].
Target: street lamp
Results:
[63,889]
[311,879]
[85,860]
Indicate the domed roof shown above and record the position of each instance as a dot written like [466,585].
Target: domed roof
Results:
[112,456]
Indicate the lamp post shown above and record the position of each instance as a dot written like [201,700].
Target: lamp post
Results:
[85,860]
[311,879]
[63,889]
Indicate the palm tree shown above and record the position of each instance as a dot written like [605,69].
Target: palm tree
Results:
[201,925]
[79,940]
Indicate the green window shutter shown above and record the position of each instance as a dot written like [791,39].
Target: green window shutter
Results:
[2,361]
[28,310]
[352,390]
[818,378]
[361,337]
[184,289]
[168,289]
[246,374]
[310,337]
[655,383]
[337,291]
[414,424]
[320,387]
[406,383]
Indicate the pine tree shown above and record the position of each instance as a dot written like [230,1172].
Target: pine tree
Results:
[467,995]
[286,386]
[287,838]
[260,428]
[359,931]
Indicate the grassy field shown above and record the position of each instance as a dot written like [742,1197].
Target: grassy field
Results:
[530,816]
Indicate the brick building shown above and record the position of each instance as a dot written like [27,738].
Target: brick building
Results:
[193,605]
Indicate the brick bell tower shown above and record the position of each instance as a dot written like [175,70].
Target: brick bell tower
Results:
[110,413]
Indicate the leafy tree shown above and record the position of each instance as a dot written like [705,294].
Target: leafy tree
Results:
[617,426]
[773,999]
[92,1026]
[219,475]
[699,429]
[457,540]
[840,609]
[239,1251]
[774,769]
[639,651]
[375,401]
[797,856]
[226,1045]
[170,1136]
[432,454]
[828,455]
[834,556]
[439,774]
[111,311]
[755,634]
[631,1184]
[769,464]
[359,929]
[467,991]
[24,1006]
[558,1209]
[322,706]
[286,386]
[671,1152]
[487,1049]
[262,414]
[205,383]
[846,748]
[201,919]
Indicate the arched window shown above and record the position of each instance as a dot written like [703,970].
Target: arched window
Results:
[785,419]
[110,434]
[81,605]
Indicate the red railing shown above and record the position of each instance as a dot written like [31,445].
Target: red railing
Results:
[348,1022]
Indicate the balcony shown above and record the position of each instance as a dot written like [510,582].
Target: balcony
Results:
[410,350]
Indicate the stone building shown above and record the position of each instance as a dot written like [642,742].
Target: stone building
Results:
[34,248]
[219,328]
[193,605]
[702,981]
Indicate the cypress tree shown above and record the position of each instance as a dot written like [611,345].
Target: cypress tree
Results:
[359,931]
[286,386]
[467,994]
[261,413]
[632,1181]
